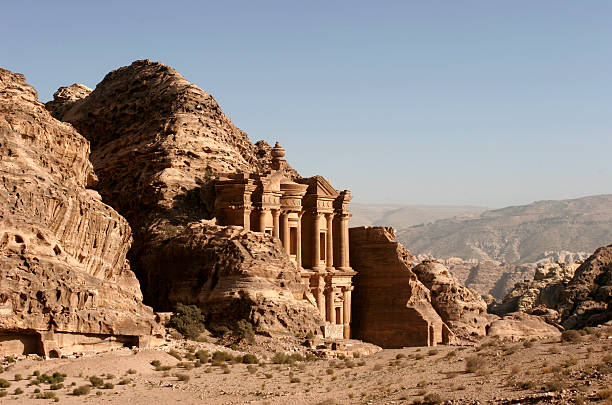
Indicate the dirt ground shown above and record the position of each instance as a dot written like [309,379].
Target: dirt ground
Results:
[542,371]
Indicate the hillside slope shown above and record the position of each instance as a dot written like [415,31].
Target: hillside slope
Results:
[518,234]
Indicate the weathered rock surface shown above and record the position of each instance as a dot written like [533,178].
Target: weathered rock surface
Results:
[234,274]
[390,306]
[64,277]
[518,325]
[540,295]
[65,97]
[462,309]
[587,299]
[158,142]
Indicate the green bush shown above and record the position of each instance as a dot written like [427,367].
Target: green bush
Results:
[18,391]
[222,356]
[188,320]
[96,381]
[203,356]
[82,390]
[571,336]
[108,386]
[156,363]
[175,354]
[4,383]
[280,358]
[3,393]
[250,359]
[243,331]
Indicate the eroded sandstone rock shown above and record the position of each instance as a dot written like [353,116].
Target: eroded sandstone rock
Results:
[391,307]
[64,278]
[587,299]
[158,144]
[462,309]
[518,326]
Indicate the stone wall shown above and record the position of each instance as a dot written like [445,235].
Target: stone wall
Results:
[391,307]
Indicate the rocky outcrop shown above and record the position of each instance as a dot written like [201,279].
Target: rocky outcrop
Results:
[462,309]
[587,299]
[158,143]
[65,98]
[391,307]
[540,295]
[234,274]
[520,326]
[64,278]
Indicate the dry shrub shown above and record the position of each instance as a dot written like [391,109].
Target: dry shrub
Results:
[571,335]
[475,364]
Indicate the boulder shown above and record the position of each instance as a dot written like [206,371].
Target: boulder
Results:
[461,308]
[518,326]
[65,283]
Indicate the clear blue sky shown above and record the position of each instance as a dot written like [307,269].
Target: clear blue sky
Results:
[417,102]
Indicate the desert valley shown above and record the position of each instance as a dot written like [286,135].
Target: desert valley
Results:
[151,253]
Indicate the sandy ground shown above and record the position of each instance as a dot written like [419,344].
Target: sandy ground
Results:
[520,372]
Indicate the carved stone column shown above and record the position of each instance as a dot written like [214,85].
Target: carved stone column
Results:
[331,311]
[275,225]
[298,256]
[321,300]
[347,312]
[246,219]
[284,219]
[344,259]
[316,247]
[262,220]
[330,241]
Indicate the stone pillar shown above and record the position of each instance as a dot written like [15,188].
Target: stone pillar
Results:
[344,260]
[246,219]
[284,219]
[316,247]
[275,225]
[331,311]
[347,312]
[330,241]
[262,220]
[321,301]
[298,256]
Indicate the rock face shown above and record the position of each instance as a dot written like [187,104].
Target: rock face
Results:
[568,294]
[65,97]
[158,143]
[391,307]
[234,274]
[540,295]
[518,326]
[462,309]
[587,299]
[64,278]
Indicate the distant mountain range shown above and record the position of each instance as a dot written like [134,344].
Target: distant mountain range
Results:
[518,234]
[403,216]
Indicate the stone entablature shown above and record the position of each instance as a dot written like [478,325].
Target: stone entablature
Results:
[310,218]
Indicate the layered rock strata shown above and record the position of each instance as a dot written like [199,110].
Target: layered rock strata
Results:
[158,144]
[461,308]
[65,283]
[391,307]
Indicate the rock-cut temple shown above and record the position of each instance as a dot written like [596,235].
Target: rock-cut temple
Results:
[311,219]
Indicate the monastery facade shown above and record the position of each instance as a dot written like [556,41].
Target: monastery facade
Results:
[310,218]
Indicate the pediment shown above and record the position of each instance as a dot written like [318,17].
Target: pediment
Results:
[320,186]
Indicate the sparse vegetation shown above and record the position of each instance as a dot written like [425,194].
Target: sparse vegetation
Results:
[571,336]
[82,390]
[187,320]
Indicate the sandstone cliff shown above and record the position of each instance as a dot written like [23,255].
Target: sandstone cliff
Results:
[540,295]
[462,309]
[571,295]
[391,307]
[64,277]
[587,300]
[158,142]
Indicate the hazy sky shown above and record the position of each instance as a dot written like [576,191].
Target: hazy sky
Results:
[416,102]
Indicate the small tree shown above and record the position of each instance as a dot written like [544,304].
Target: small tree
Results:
[188,320]
[243,330]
